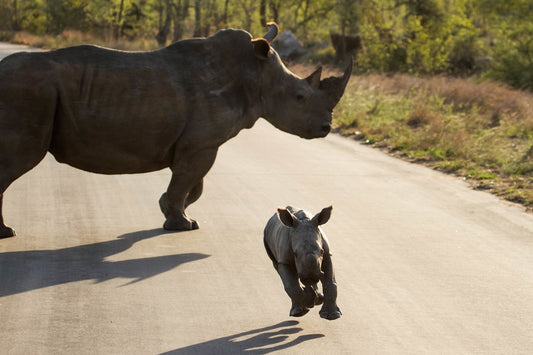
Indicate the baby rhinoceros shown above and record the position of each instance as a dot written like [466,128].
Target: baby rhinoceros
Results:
[300,253]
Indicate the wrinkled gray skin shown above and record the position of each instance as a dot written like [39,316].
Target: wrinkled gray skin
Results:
[113,112]
[300,253]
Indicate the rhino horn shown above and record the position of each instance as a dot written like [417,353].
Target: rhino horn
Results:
[314,78]
[272,32]
[335,86]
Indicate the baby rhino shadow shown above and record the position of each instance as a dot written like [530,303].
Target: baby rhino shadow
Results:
[23,271]
[257,341]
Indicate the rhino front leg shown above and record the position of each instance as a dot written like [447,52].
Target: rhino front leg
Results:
[302,300]
[195,193]
[185,187]
[192,196]
[329,309]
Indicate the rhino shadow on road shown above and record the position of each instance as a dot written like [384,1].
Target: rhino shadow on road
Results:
[23,271]
[257,341]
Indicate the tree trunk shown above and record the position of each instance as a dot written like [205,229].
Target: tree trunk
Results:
[164,29]
[181,11]
[226,4]
[197,19]
[262,13]
[15,20]
[118,25]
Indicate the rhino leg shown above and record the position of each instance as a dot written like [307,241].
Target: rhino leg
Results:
[13,164]
[26,124]
[195,193]
[185,187]
[5,231]
[319,296]
[298,310]
[192,196]
[302,299]
[329,309]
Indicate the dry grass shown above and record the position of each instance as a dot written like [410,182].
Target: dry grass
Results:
[482,131]
[72,38]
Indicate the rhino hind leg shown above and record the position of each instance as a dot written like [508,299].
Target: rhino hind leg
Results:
[12,166]
[5,231]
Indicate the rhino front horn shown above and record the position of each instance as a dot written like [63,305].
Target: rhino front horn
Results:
[335,86]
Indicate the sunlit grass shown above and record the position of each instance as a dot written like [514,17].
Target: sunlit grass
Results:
[482,131]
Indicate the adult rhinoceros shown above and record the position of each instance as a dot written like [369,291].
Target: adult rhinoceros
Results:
[113,112]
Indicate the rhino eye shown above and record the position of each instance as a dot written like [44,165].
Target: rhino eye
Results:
[300,97]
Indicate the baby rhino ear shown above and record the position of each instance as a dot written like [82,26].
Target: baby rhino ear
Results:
[287,218]
[261,48]
[323,216]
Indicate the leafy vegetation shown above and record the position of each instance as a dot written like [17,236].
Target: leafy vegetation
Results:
[430,71]
[483,132]
[460,37]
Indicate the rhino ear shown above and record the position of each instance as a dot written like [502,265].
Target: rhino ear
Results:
[314,79]
[323,216]
[287,218]
[261,48]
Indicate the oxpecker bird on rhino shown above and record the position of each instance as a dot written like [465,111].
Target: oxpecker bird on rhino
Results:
[113,112]
[300,253]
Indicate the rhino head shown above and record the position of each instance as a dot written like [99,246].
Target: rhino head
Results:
[307,243]
[300,106]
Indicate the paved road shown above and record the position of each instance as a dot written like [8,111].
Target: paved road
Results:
[8,48]
[424,264]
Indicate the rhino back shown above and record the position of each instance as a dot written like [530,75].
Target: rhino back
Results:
[122,112]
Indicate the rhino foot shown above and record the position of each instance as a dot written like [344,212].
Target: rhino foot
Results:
[298,311]
[184,224]
[319,299]
[330,312]
[6,232]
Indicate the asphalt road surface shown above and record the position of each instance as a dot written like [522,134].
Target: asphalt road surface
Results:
[423,263]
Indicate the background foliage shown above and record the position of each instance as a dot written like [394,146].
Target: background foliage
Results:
[422,91]
[460,37]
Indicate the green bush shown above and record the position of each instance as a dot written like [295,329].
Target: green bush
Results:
[514,56]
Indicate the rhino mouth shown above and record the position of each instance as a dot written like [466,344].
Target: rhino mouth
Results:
[309,281]
[325,129]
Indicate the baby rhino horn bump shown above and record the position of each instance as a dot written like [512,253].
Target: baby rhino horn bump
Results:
[323,216]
